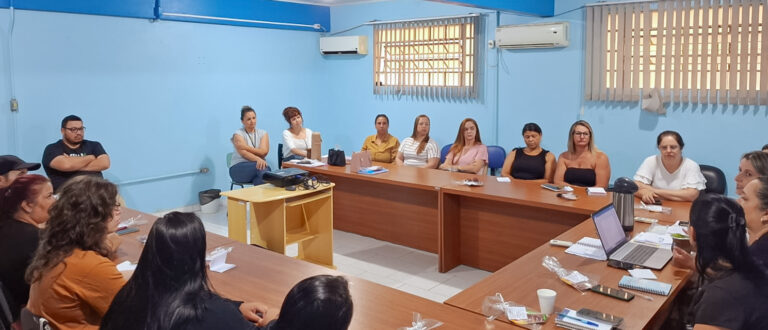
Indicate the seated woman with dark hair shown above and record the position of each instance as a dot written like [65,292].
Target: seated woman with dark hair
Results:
[733,293]
[382,146]
[317,302]
[532,162]
[669,175]
[24,207]
[251,148]
[169,288]
[72,276]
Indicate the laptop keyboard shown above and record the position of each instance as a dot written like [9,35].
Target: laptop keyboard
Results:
[639,254]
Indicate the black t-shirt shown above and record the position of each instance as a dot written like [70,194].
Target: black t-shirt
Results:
[759,251]
[220,313]
[528,167]
[58,148]
[18,242]
[732,302]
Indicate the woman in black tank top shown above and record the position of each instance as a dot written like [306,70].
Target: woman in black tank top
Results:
[531,162]
[582,164]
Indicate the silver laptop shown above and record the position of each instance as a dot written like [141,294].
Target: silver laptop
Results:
[618,247]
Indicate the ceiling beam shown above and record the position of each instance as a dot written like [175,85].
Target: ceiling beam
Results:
[544,8]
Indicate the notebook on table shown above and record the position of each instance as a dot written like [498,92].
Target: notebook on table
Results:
[650,286]
[618,247]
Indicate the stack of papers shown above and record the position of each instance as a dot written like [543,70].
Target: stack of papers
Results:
[677,229]
[307,162]
[596,191]
[588,247]
[661,240]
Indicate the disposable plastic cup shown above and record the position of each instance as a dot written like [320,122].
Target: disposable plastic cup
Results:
[546,300]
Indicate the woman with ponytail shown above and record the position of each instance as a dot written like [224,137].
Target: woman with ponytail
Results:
[419,149]
[732,293]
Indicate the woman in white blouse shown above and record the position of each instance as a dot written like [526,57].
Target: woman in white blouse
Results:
[296,139]
[419,149]
[669,175]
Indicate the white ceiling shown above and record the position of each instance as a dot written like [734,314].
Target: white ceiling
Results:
[331,2]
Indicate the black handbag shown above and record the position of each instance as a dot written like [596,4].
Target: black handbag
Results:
[336,157]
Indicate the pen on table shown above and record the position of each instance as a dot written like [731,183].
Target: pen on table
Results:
[590,323]
[646,297]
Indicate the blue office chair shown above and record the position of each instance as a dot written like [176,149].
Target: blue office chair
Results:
[279,156]
[232,182]
[496,156]
[444,152]
[716,181]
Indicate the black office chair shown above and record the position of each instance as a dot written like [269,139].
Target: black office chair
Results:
[279,156]
[5,309]
[716,182]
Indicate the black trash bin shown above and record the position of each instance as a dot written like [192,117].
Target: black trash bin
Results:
[208,200]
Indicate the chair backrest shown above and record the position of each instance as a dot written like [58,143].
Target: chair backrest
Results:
[31,321]
[229,159]
[496,156]
[279,156]
[716,182]
[444,152]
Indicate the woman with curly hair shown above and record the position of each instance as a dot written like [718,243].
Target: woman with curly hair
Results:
[72,276]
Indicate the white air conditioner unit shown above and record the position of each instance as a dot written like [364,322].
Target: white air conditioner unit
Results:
[344,45]
[547,35]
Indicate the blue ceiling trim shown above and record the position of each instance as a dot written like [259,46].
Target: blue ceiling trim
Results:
[256,10]
[544,8]
[123,8]
[5,3]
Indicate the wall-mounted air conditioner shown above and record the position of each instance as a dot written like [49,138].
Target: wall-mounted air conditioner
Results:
[532,35]
[344,45]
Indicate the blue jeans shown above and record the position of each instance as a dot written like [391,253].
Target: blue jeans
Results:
[247,172]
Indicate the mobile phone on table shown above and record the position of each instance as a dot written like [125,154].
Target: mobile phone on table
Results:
[600,316]
[127,230]
[613,293]
[550,186]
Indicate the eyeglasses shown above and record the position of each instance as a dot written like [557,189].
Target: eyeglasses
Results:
[75,129]
[581,133]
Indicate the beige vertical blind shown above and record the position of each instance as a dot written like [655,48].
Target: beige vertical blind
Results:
[693,51]
[427,58]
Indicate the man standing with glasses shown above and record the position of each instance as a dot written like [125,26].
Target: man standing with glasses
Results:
[72,155]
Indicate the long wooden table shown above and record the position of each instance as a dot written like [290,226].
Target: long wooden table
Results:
[485,227]
[519,280]
[265,276]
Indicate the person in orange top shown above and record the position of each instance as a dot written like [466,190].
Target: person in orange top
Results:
[73,279]
[382,146]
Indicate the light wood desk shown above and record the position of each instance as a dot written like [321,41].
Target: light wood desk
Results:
[484,227]
[280,217]
[519,280]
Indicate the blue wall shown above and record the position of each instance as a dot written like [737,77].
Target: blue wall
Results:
[162,97]
[544,86]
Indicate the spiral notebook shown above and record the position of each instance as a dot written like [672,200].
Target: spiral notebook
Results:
[645,285]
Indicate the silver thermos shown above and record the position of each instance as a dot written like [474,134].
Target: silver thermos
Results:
[624,190]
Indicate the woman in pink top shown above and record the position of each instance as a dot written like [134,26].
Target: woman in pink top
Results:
[468,153]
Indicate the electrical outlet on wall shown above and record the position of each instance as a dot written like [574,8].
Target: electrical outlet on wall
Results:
[14,105]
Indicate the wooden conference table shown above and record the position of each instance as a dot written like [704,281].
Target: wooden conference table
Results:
[264,276]
[485,227]
[519,280]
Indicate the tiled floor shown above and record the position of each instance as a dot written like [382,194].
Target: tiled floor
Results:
[395,266]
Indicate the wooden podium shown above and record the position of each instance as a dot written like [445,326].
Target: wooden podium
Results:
[280,217]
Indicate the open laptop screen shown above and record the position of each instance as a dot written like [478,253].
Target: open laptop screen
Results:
[609,228]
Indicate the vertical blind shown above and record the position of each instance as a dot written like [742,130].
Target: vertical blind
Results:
[427,58]
[691,51]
